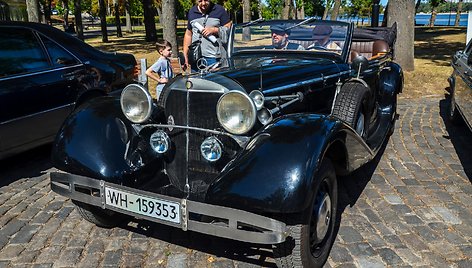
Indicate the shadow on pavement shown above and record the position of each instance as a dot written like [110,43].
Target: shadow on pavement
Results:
[352,186]
[260,255]
[32,163]
[460,136]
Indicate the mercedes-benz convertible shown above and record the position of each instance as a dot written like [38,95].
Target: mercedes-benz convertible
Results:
[248,149]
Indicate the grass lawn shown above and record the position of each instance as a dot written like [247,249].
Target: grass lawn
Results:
[434,48]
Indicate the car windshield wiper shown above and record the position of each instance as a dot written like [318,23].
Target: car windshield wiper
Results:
[252,22]
[301,23]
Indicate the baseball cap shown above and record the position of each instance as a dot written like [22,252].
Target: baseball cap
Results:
[279,28]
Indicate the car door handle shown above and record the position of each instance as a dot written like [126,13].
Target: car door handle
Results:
[70,75]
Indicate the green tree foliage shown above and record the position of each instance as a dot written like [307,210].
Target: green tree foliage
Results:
[314,8]
[359,8]
[273,10]
[445,7]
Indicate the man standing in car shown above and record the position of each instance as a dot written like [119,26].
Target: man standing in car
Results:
[208,23]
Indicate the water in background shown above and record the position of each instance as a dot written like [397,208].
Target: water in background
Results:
[442,19]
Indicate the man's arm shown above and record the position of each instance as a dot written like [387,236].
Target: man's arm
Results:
[187,42]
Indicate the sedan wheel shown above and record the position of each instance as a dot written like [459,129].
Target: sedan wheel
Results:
[453,113]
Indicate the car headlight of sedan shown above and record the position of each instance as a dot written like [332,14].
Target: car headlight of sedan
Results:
[236,112]
[136,103]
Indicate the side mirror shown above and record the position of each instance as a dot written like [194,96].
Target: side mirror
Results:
[359,64]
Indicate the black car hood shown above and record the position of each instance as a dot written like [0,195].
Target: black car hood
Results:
[267,73]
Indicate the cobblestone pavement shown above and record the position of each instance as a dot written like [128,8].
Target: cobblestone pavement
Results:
[410,207]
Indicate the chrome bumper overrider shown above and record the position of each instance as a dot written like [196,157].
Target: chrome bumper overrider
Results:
[234,223]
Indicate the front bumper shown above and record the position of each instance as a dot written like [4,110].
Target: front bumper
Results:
[228,222]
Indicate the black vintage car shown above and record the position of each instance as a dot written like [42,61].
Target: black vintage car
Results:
[46,73]
[460,83]
[249,149]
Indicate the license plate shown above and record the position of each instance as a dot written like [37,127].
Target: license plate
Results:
[143,205]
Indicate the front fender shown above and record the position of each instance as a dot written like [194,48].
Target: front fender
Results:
[391,79]
[274,174]
[98,141]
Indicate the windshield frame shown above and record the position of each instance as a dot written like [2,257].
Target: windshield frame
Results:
[232,52]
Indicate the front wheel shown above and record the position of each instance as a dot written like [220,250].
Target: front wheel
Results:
[98,216]
[311,234]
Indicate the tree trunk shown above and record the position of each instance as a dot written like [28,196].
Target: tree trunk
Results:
[325,13]
[301,11]
[78,19]
[5,12]
[418,2]
[32,7]
[128,28]
[159,15]
[116,8]
[458,14]
[170,21]
[47,11]
[149,23]
[259,9]
[246,18]
[65,4]
[103,20]
[335,12]
[286,9]
[403,13]
[385,17]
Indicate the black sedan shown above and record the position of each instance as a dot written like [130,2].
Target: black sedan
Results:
[248,149]
[460,83]
[46,73]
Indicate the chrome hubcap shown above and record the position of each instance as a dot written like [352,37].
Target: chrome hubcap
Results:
[360,124]
[323,217]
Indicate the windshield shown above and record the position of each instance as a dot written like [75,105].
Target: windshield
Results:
[293,35]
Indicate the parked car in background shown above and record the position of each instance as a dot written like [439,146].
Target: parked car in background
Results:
[44,75]
[460,84]
[247,150]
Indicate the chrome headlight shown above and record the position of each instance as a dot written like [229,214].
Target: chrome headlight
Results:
[159,142]
[258,99]
[211,149]
[236,112]
[136,103]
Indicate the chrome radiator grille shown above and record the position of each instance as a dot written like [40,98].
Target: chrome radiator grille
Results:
[186,165]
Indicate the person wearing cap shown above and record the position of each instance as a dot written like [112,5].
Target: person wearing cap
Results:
[321,35]
[280,40]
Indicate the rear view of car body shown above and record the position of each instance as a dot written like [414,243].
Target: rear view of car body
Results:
[44,75]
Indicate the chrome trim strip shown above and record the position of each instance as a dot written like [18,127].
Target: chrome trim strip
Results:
[222,90]
[33,115]
[241,140]
[264,230]
[40,72]
[306,82]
